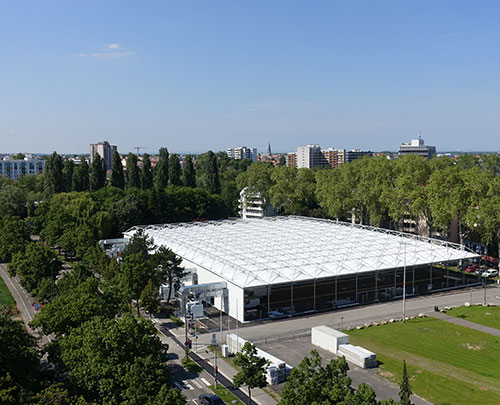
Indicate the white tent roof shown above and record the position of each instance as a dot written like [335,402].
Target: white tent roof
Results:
[275,250]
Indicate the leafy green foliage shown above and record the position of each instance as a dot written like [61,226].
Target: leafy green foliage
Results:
[189,173]
[20,365]
[117,177]
[14,237]
[97,176]
[313,383]
[174,170]
[115,361]
[160,178]
[404,387]
[37,263]
[252,369]
[133,175]
[73,306]
[53,175]
[146,173]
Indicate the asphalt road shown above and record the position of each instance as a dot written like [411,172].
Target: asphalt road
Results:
[25,303]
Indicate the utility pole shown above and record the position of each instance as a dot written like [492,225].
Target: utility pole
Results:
[214,345]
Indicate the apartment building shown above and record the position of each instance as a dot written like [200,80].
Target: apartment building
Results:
[13,168]
[105,150]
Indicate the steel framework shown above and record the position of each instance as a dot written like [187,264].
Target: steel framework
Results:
[277,250]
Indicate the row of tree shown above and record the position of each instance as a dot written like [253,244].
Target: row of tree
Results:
[102,353]
[381,192]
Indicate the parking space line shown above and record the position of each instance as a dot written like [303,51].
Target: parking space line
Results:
[197,383]
[205,381]
[178,385]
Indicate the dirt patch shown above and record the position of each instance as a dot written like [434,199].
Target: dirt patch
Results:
[418,371]
[471,346]
[483,389]
[487,313]
[385,374]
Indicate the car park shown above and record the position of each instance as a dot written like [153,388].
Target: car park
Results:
[490,273]
[472,268]
[479,271]
[211,399]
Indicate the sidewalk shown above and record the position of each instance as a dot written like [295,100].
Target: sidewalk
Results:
[228,371]
[467,324]
[205,358]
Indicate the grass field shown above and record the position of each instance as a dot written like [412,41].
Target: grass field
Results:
[487,316]
[227,396]
[5,296]
[448,364]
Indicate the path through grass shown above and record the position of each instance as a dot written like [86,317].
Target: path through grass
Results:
[448,364]
[487,316]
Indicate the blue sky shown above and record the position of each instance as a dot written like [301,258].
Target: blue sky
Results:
[199,75]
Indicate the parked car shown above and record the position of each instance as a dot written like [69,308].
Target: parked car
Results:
[472,268]
[211,399]
[479,271]
[490,273]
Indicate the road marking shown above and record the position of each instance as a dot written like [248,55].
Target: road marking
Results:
[178,385]
[187,384]
[197,383]
[194,401]
[205,381]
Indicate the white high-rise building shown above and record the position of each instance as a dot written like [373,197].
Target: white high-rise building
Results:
[105,150]
[13,168]
[308,156]
[242,152]
[417,147]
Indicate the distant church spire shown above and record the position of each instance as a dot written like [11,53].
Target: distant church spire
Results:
[269,148]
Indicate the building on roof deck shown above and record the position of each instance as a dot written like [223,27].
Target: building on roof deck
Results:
[281,266]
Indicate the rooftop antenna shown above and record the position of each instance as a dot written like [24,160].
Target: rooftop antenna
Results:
[138,148]
[419,135]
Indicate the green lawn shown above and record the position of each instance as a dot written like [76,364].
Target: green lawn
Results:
[448,364]
[226,395]
[5,296]
[487,316]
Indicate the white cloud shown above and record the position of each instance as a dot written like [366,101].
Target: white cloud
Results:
[113,46]
[111,55]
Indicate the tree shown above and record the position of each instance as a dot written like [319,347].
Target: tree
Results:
[14,236]
[252,369]
[161,170]
[146,173]
[169,266]
[12,200]
[282,160]
[212,172]
[117,178]
[293,190]
[20,365]
[134,276]
[313,383]
[113,360]
[73,306]
[257,180]
[53,175]
[84,174]
[174,170]
[133,176]
[34,264]
[97,177]
[404,387]
[150,299]
[189,174]
[68,170]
